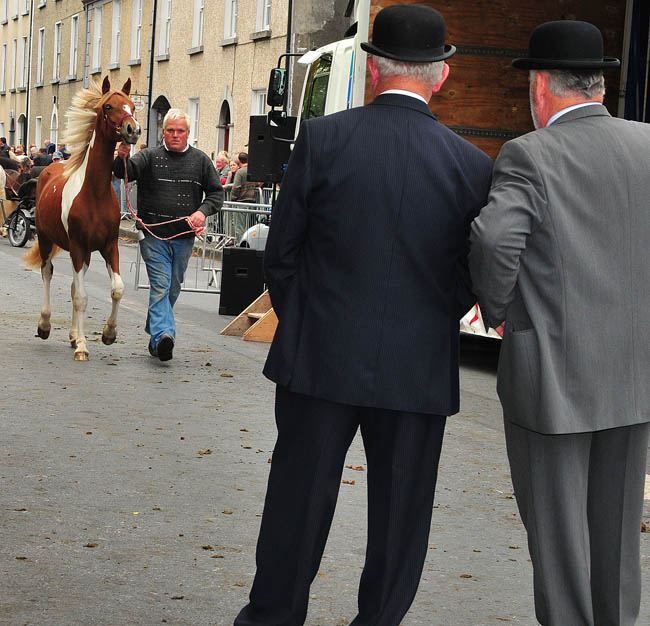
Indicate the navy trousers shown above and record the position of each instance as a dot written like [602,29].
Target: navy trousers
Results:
[402,452]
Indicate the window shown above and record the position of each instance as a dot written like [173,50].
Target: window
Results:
[115,32]
[14,11]
[74,36]
[230,28]
[5,10]
[3,69]
[25,66]
[197,26]
[316,88]
[258,103]
[97,39]
[54,127]
[2,129]
[263,15]
[14,47]
[193,112]
[38,138]
[136,29]
[39,59]
[56,59]
[26,4]
[165,27]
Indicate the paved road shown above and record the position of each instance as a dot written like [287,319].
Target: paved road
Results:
[113,513]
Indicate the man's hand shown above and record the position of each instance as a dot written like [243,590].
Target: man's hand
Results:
[123,150]
[196,221]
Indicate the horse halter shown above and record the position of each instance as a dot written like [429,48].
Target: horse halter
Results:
[110,124]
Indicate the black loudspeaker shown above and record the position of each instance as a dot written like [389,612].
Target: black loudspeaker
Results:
[268,158]
[242,279]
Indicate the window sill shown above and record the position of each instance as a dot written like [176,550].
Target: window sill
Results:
[230,41]
[41,5]
[14,17]
[161,58]
[95,70]
[4,21]
[113,66]
[133,62]
[22,89]
[196,50]
[3,92]
[12,90]
[55,81]
[37,85]
[71,79]
[261,34]
[25,12]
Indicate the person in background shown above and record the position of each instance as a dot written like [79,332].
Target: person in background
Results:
[243,190]
[560,253]
[175,180]
[56,157]
[42,158]
[223,169]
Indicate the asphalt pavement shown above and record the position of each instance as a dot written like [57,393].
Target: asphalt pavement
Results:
[132,489]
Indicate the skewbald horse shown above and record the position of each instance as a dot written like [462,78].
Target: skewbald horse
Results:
[76,206]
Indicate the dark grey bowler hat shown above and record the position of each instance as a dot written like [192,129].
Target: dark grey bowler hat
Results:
[411,33]
[565,45]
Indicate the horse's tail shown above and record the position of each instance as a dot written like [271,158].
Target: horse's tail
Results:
[32,257]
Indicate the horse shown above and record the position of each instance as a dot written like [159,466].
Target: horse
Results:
[76,206]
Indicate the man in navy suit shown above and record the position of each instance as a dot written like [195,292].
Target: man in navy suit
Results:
[368,277]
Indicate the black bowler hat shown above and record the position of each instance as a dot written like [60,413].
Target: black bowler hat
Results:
[565,45]
[411,33]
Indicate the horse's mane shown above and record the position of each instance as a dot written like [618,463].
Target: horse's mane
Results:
[80,122]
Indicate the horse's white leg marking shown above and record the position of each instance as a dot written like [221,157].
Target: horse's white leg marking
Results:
[80,302]
[72,186]
[74,330]
[46,311]
[117,289]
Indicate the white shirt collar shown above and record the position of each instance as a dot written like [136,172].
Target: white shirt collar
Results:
[402,92]
[571,108]
[187,147]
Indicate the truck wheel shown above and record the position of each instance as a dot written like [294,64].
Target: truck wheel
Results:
[18,230]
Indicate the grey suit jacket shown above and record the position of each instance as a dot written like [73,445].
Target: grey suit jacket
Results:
[561,252]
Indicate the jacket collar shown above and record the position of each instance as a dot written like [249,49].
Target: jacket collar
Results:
[576,114]
[398,100]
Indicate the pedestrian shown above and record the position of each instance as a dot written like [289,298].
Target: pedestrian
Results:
[242,190]
[368,279]
[223,169]
[560,254]
[42,158]
[56,157]
[175,180]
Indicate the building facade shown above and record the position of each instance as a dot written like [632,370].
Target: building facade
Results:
[211,58]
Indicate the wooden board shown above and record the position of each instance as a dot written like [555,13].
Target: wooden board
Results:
[485,99]
[263,329]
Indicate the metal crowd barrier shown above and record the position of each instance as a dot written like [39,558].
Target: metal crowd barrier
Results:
[237,223]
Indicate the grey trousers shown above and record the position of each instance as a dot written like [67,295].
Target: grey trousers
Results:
[580,497]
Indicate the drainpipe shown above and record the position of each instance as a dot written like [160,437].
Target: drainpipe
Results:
[151,122]
[29,77]
[289,50]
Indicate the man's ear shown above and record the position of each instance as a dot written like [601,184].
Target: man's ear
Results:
[443,78]
[374,72]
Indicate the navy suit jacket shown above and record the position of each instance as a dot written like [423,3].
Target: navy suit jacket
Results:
[367,270]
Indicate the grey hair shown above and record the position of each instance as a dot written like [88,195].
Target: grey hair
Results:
[429,73]
[176,114]
[589,84]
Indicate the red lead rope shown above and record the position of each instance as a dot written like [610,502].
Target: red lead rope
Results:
[147,226]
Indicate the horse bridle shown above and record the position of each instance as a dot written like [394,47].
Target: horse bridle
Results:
[115,127]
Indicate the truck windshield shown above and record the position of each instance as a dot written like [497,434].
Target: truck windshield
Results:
[316,88]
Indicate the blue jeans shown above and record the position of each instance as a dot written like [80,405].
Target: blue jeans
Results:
[166,262]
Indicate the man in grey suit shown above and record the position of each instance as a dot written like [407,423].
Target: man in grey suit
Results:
[560,253]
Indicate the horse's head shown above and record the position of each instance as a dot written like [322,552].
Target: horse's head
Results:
[117,111]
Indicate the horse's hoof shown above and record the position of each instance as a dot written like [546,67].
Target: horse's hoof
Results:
[80,356]
[43,334]
[73,344]
[108,340]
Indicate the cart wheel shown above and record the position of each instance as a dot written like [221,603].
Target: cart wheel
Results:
[18,230]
